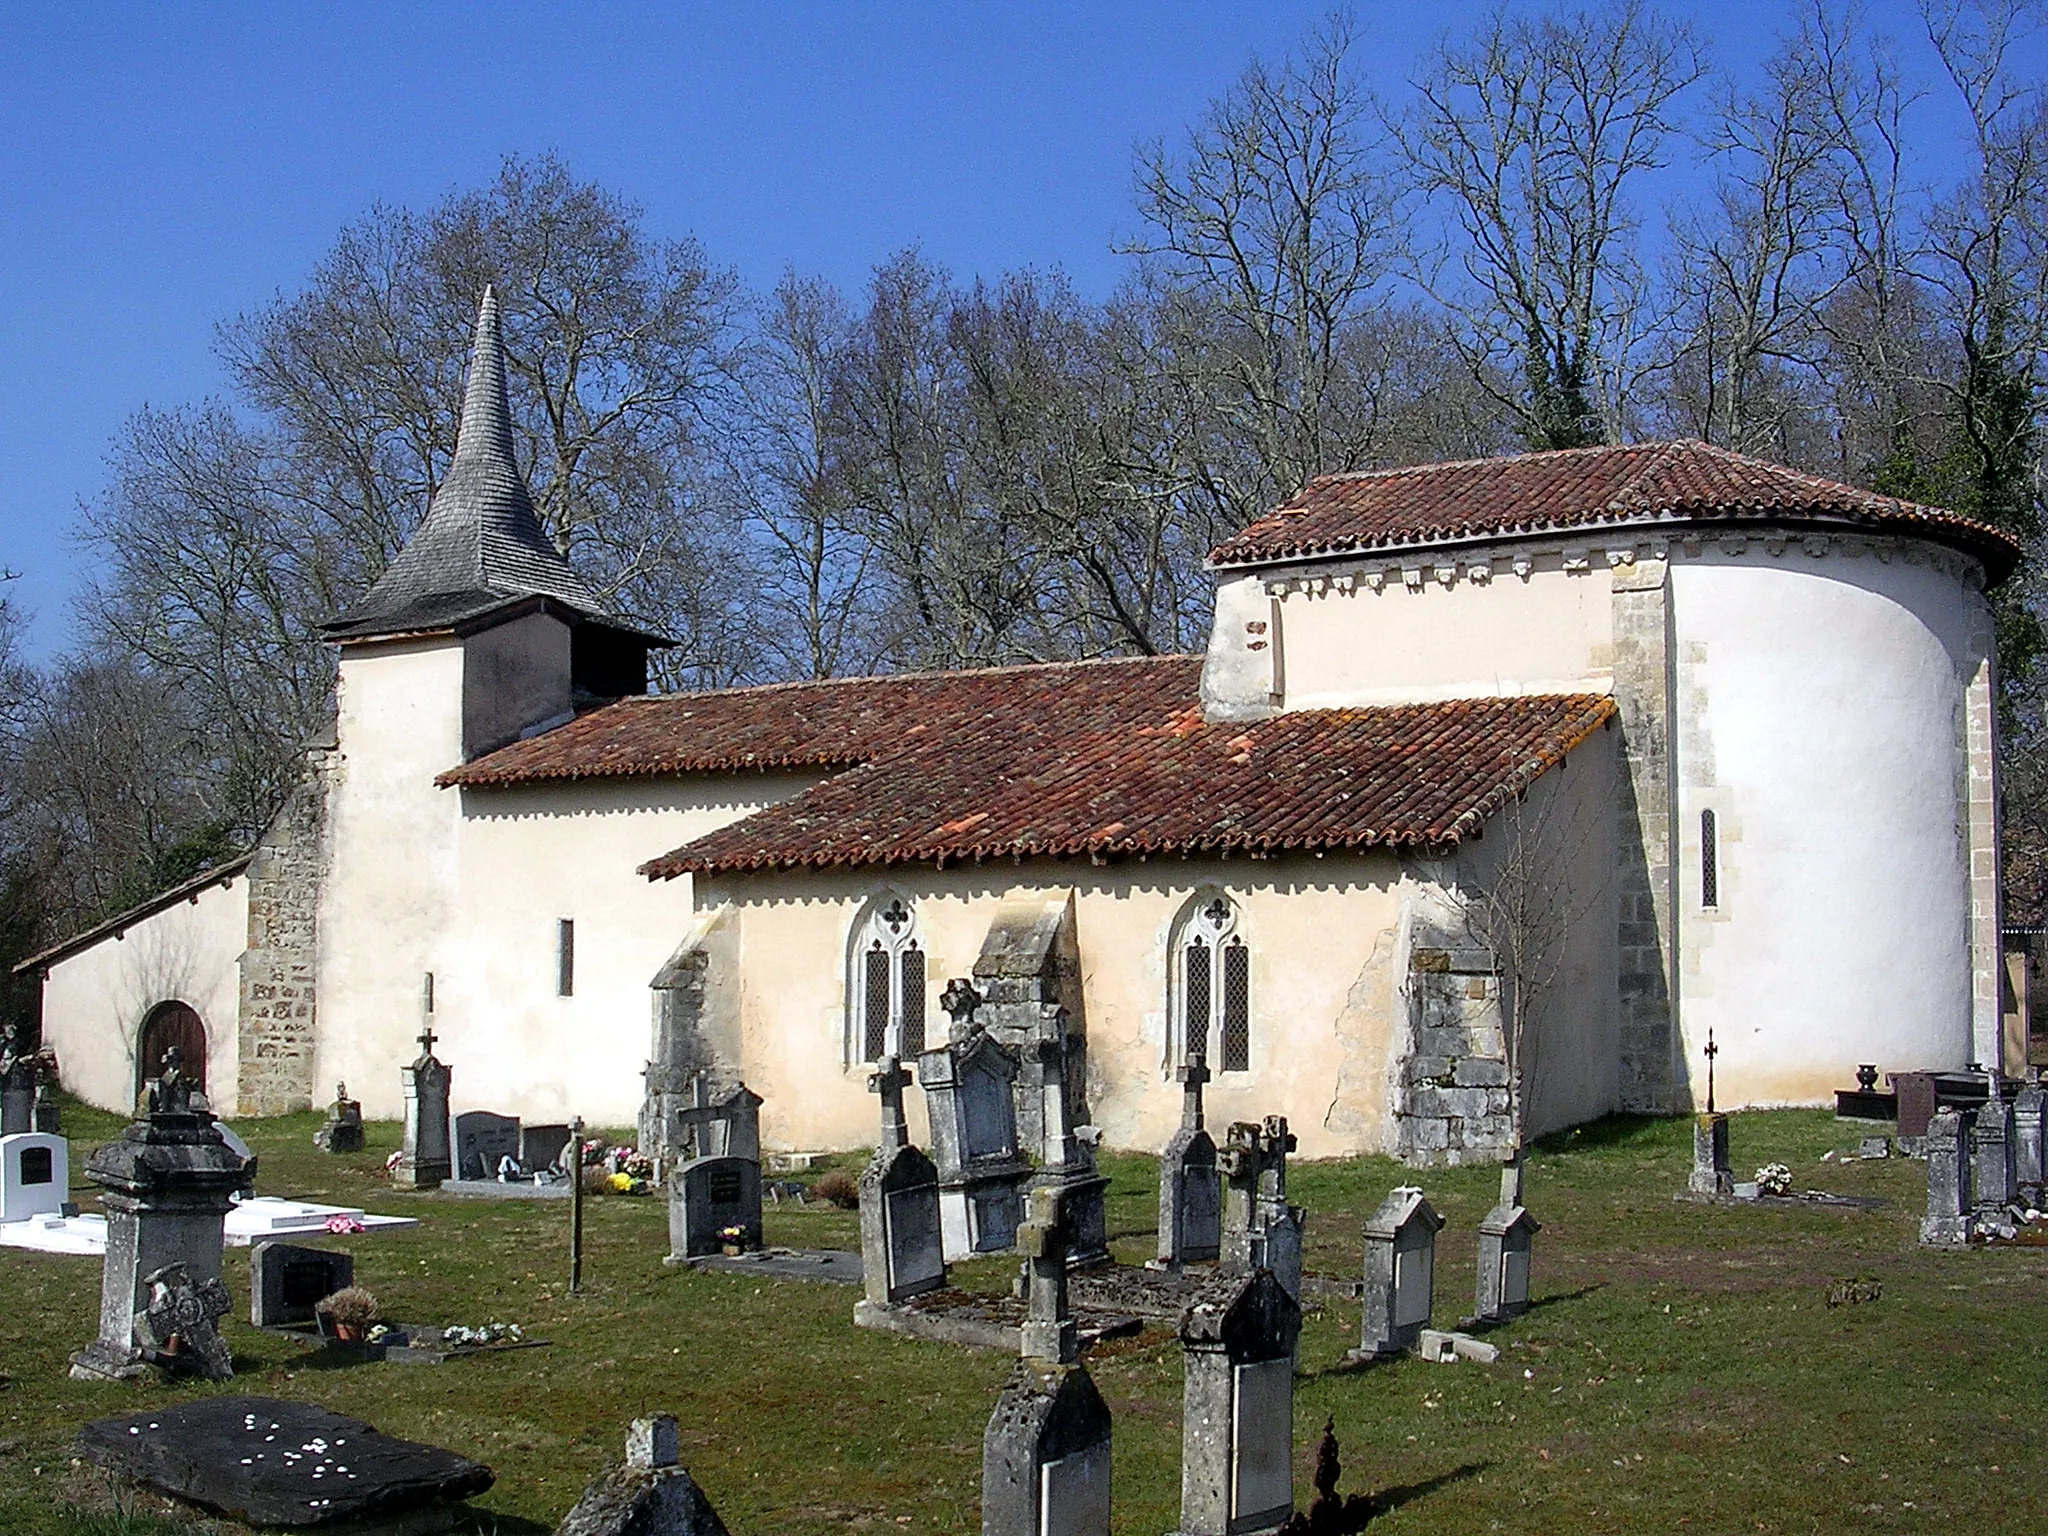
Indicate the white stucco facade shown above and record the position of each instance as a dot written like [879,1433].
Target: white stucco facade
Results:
[97,998]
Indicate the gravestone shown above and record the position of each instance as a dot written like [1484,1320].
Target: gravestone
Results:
[35,1176]
[19,1079]
[708,1195]
[541,1147]
[1066,1161]
[48,1115]
[970,1093]
[286,1281]
[1947,1222]
[1045,1456]
[268,1461]
[423,1156]
[343,1130]
[166,1187]
[1992,1182]
[1238,1337]
[651,1495]
[902,1250]
[179,1328]
[1507,1238]
[2029,1113]
[1190,1196]
[482,1141]
[1712,1175]
[1400,1274]
[1049,1334]
[1259,1228]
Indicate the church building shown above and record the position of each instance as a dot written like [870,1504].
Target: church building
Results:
[1538,769]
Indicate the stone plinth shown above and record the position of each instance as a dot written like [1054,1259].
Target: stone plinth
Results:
[165,1186]
[1947,1222]
[1712,1175]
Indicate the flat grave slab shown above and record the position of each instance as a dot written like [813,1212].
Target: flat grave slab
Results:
[981,1322]
[251,1221]
[405,1343]
[831,1265]
[279,1463]
[505,1189]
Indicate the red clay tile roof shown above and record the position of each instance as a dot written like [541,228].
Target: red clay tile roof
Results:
[1116,760]
[835,724]
[1577,488]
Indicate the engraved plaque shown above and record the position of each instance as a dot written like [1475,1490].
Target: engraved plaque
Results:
[1073,1493]
[914,1244]
[1514,1277]
[1262,1430]
[1412,1281]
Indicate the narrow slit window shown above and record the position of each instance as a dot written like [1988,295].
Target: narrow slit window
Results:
[565,958]
[1710,862]
[875,1038]
[912,991]
[1237,1012]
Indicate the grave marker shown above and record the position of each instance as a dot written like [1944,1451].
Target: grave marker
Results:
[343,1130]
[1190,1196]
[165,1186]
[1259,1228]
[482,1141]
[970,1092]
[1400,1273]
[1507,1238]
[423,1156]
[1712,1174]
[707,1195]
[1947,1222]
[1066,1162]
[2029,1113]
[1238,1339]
[1992,1182]
[35,1176]
[286,1281]
[651,1495]
[902,1251]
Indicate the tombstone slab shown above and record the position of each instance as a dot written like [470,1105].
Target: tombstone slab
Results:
[1045,1456]
[272,1462]
[286,1281]
[708,1195]
[1238,1338]
[1947,1222]
[1400,1273]
[423,1161]
[35,1176]
[482,1138]
[1507,1237]
[541,1146]
[902,1246]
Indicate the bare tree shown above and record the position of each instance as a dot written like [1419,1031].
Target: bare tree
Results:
[1532,133]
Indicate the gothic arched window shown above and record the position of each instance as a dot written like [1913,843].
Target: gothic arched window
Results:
[1210,985]
[885,983]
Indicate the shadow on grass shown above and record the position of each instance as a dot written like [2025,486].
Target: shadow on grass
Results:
[1391,1499]
[484,1523]
[1608,1131]
[1478,1327]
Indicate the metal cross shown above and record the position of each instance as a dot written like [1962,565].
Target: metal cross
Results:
[1713,1050]
[426,1038]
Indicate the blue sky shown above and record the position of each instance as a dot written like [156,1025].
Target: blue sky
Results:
[163,168]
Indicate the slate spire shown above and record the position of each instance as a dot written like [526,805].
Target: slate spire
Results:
[481,544]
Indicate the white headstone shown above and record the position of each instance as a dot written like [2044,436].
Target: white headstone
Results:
[35,1175]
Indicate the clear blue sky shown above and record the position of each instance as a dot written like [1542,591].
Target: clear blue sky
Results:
[165,167]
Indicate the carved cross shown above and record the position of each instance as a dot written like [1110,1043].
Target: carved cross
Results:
[426,1038]
[1192,1074]
[1049,1333]
[889,1080]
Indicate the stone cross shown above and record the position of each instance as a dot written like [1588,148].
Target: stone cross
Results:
[961,1002]
[1049,1333]
[889,1079]
[1192,1075]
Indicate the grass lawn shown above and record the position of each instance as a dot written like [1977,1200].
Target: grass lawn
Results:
[1680,1369]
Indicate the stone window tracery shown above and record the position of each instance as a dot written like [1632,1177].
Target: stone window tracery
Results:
[885,989]
[1210,986]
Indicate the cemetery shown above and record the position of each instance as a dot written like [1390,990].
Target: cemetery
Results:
[1630,1360]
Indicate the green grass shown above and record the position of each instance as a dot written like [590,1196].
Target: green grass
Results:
[1680,1369]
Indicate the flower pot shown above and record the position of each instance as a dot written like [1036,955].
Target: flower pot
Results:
[348,1333]
[731,1250]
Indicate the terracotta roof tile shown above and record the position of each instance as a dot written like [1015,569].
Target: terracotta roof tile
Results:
[1108,764]
[1579,488]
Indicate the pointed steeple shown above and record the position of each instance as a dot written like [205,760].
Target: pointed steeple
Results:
[481,544]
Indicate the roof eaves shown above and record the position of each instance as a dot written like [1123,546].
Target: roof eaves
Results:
[117,925]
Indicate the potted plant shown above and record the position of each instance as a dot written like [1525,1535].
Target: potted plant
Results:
[349,1313]
[732,1240]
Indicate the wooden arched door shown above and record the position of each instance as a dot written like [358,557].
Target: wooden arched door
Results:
[171,1024]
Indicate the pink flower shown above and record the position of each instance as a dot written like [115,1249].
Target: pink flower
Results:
[343,1222]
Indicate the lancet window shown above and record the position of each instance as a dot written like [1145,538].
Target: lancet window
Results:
[1210,986]
[885,987]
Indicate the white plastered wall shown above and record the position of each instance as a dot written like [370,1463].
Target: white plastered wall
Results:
[1822,695]
[1326,995]
[1514,622]
[95,1001]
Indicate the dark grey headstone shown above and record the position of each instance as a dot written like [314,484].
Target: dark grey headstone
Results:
[708,1195]
[286,1281]
[481,1138]
[540,1146]
[272,1462]
[902,1253]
